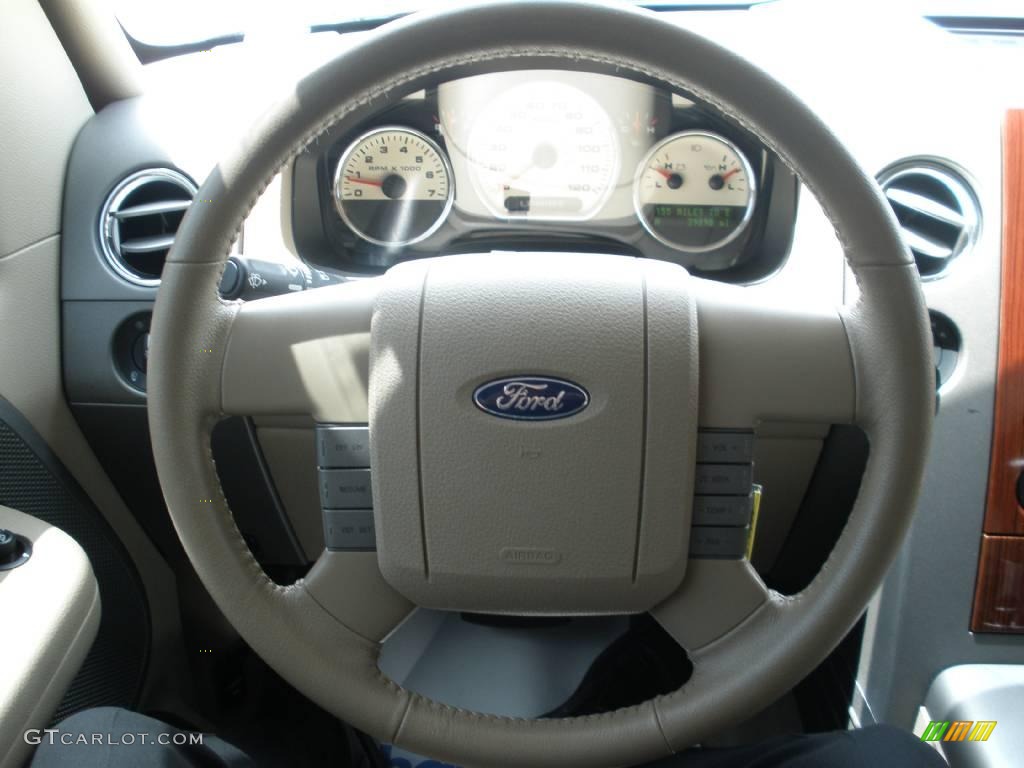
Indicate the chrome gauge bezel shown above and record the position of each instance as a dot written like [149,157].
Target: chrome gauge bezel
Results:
[748,214]
[359,140]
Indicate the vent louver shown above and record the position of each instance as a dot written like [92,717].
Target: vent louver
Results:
[139,221]
[937,211]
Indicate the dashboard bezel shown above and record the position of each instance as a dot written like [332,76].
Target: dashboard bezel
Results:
[323,239]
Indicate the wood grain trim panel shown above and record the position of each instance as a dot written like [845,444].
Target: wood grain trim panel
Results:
[1003,514]
[999,594]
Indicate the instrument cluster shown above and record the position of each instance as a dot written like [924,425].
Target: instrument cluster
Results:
[545,160]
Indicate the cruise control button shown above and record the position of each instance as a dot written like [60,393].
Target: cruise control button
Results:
[722,510]
[345,489]
[349,529]
[718,543]
[732,479]
[725,447]
[342,447]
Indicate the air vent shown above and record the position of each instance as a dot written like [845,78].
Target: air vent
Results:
[139,221]
[937,211]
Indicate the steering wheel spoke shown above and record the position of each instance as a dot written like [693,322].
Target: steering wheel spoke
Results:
[759,362]
[301,354]
[768,362]
[715,597]
[348,585]
[308,354]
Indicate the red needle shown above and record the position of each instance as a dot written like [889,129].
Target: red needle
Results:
[662,171]
[725,176]
[365,181]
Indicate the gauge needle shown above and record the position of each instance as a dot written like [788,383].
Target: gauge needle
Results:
[365,181]
[662,171]
[725,176]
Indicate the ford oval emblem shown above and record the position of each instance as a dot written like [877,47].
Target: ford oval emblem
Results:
[531,398]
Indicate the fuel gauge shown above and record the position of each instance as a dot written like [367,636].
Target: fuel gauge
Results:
[695,191]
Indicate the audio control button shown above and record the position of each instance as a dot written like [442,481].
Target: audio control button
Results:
[722,510]
[707,542]
[725,447]
[727,479]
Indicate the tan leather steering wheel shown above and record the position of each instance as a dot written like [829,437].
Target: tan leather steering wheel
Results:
[404,352]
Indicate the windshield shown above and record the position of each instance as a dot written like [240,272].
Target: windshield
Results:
[160,23]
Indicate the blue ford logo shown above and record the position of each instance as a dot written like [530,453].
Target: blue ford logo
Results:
[531,398]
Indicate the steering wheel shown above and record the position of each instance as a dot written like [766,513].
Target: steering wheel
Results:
[582,515]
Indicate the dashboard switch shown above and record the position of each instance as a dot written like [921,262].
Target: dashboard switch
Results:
[342,447]
[140,352]
[231,280]
[246,278]
[345,489]
[319,278]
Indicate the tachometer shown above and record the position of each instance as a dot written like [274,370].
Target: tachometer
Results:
[694,191]
[543,150]
[393,186]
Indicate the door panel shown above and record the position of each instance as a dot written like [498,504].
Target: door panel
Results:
[42,109]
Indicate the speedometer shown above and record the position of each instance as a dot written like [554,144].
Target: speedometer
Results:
[543,150]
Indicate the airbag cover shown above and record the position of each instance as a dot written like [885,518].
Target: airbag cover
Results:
[532,426]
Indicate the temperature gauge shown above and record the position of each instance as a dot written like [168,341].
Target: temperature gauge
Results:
[694,191]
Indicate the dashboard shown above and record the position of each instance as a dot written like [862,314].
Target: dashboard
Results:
[949,106]
[545,160]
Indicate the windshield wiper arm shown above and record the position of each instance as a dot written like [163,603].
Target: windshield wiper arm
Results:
[362,24]
[147,52]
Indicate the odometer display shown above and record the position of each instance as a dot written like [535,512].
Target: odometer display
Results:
[393,186]
[711,217]
[694,191]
